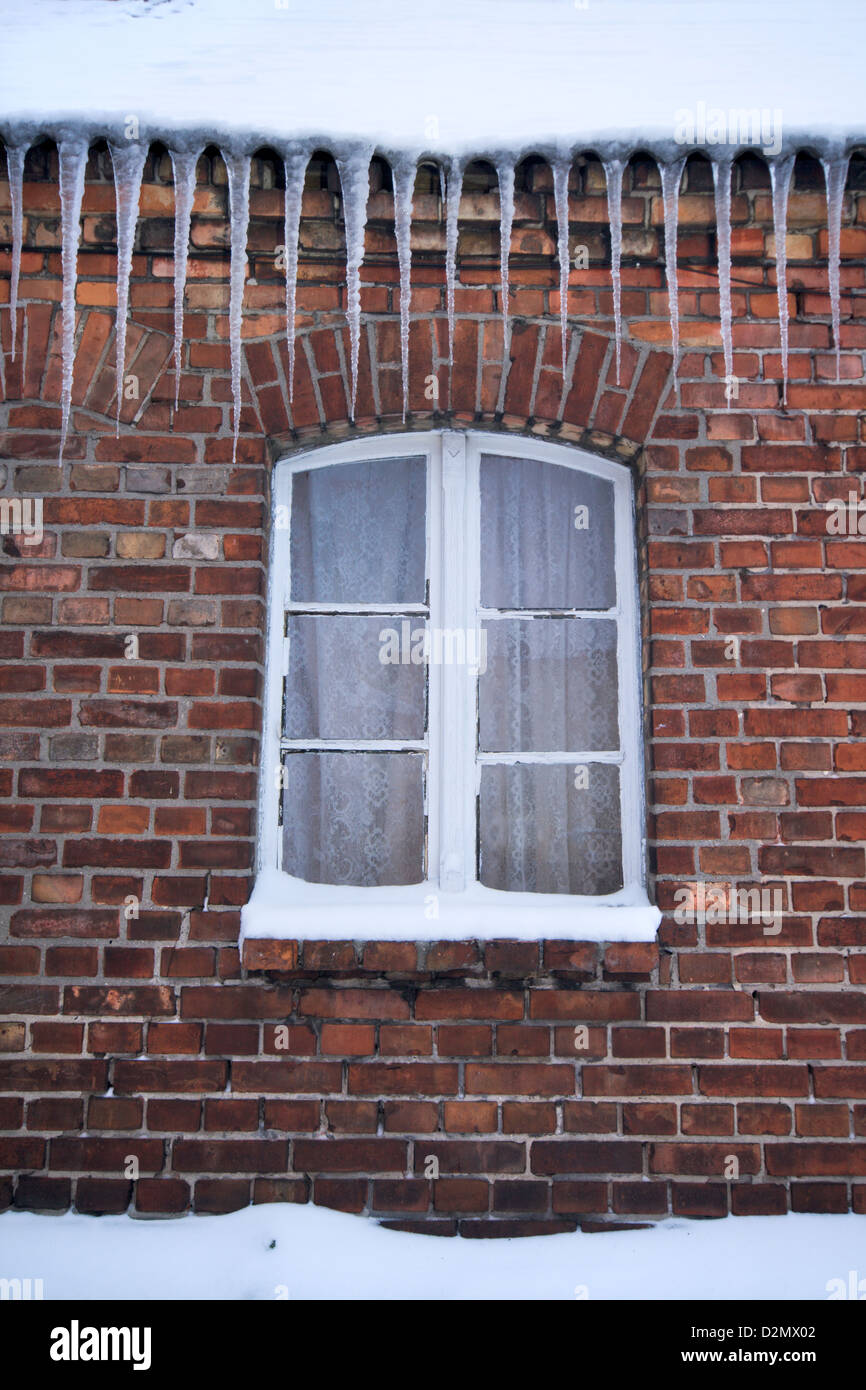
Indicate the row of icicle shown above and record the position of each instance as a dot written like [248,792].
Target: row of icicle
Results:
[128,166]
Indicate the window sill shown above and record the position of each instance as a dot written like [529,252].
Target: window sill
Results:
[283,908]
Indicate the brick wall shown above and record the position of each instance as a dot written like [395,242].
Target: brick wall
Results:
[146,1036]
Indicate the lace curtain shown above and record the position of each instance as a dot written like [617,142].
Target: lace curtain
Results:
[546,536]
[551,829]
[355,818]
[358,536]
[358,532]
[551,683]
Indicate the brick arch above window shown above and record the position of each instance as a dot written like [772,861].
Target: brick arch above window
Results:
[526,391]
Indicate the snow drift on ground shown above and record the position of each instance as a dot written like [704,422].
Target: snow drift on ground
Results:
[308,1252]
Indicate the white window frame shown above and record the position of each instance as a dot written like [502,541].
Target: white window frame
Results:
[450,903]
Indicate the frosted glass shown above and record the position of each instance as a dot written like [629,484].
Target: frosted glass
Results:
[354,818]
[337,686]
[532,554]
[550,686]
[358,532]
[539,833]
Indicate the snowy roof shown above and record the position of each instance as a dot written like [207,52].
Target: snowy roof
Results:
[451,76]
[457,78]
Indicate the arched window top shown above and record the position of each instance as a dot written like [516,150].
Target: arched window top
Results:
[452,734]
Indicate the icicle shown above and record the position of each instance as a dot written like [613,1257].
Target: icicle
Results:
[561,171]
[613,174]
[671,174]
[780,182]
[238,169]
[835,177]
[505,175]
[722,186]
[452,221]
[354,171]
[183,164]
[15,162]
[127,162]
[73,163]
[296,171]
[404,187]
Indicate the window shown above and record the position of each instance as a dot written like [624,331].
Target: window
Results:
[452,737]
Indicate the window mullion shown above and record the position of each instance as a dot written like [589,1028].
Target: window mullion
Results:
[455,768]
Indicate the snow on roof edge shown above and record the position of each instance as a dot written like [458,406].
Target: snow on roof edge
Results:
[22,129]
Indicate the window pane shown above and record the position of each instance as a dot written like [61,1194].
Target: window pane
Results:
[347,677]
[550,686]
[541,833]
[547,536]
[358,532]
[354,818]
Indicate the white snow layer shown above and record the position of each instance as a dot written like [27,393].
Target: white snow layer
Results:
[408,74]
[308,1252]
[283,906]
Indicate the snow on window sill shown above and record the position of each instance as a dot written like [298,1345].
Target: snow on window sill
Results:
[287,908]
